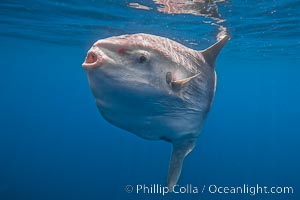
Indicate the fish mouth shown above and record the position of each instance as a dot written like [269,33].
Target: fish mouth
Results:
[93,60]
[98,56]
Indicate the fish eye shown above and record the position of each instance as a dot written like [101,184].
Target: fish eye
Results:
[142,59]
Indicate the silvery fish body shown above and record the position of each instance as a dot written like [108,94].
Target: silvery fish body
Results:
[155,88]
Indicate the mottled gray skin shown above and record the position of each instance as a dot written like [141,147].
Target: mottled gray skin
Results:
[127,75]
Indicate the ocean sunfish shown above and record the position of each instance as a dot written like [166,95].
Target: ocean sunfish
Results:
[155,88]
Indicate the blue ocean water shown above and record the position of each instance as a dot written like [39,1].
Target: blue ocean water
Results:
[55,145]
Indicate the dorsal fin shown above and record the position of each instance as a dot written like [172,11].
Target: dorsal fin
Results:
[210,54]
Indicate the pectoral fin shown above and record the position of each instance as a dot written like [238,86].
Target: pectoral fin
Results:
[181,148]
[178,84]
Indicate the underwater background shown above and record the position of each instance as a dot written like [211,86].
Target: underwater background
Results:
[54,144]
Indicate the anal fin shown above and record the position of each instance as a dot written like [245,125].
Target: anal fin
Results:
[181,148]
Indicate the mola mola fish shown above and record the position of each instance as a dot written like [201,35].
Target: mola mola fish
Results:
[155,88]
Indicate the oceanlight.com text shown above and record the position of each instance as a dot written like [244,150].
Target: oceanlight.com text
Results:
[251,190]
